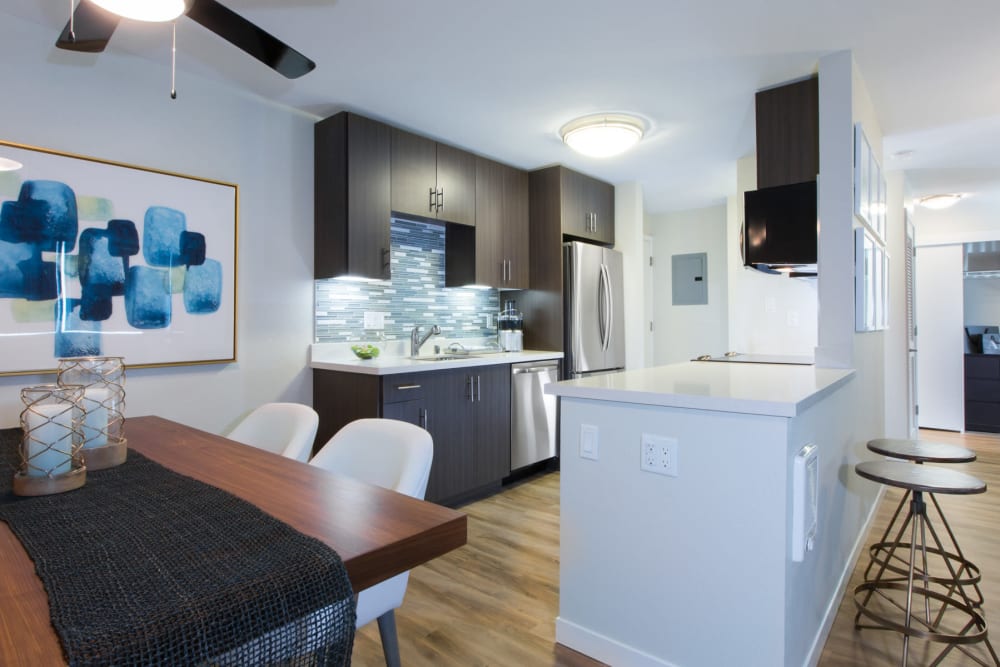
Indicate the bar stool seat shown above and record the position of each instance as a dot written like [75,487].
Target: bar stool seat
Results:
[922,451]
[956,623]
[925,451]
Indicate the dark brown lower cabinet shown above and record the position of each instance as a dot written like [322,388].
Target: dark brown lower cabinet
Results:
[466,411]
[982,392]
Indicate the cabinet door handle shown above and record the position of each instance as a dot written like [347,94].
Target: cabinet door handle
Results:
[386,261]
[472,388]
[595,223]
[479,390]
[404,387]
[423,418]
[440,199]
[431,199]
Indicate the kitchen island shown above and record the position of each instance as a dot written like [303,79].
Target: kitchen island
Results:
[697,565]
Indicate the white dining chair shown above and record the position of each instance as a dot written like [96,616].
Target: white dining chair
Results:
[395,455]
[288,429]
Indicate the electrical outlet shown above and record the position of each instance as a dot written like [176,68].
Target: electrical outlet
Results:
[374,320]
[588,441]
[659,454]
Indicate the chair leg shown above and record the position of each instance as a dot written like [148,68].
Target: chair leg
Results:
[390,642]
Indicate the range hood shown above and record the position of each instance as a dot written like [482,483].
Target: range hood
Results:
[981,260]
[780,230]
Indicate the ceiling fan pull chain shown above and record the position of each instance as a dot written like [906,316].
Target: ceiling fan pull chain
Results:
[173,65]
[72,33]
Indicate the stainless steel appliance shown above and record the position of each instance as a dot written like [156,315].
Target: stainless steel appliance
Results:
[594,318]
[532,412]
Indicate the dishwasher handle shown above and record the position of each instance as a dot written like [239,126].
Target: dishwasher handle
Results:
[535,369]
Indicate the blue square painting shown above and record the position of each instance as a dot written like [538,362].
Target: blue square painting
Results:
[104,258]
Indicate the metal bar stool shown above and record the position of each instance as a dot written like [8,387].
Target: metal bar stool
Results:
[926,451]
[870,595]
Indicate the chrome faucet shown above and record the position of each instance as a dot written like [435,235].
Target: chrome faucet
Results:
[416,340]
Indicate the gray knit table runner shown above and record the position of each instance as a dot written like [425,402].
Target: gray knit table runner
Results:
[144,566]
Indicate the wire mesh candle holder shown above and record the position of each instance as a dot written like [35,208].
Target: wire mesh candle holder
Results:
[103,404]
[52,440]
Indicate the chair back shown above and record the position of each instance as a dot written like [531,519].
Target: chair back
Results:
[389,453]
[288,429]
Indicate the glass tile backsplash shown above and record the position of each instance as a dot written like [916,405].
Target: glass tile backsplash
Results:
[416,295]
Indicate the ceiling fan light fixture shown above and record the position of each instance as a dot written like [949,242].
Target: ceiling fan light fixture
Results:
[6,164]
[938,202]
[602,135]
[144,10]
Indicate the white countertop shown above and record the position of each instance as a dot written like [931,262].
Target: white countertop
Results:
[338,357]
[765,389]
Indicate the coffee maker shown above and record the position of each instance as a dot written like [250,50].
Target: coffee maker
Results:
[510,333]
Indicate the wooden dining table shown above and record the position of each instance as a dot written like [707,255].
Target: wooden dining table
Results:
[377,533]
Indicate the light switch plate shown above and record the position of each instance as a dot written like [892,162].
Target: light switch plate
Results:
[374,320]
[588,441]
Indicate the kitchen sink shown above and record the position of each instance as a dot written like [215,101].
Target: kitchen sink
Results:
[443,357]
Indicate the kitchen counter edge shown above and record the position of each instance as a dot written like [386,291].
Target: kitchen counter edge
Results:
[394,365]
[765,389]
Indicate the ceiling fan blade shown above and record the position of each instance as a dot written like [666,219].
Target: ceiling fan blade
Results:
[92,27]
[262,45]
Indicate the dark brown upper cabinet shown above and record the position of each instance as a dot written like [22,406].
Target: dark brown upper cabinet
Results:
[431,180]
[788,133]
[352,197]
[495,251]
[584,206]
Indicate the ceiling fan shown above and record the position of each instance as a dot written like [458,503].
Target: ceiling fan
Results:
[94,21]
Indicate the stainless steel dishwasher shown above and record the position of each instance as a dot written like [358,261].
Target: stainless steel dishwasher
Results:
[532,412]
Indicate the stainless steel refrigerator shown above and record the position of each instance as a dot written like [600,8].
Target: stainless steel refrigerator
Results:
[594,317]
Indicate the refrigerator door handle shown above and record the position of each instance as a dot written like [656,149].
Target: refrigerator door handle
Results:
[602,315]
[605,308]
[610,309]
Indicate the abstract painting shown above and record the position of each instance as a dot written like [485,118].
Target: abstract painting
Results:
[104,258]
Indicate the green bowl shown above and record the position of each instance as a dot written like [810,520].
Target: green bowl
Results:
[365,351]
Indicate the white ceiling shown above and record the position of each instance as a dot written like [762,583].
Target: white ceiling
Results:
[500,78]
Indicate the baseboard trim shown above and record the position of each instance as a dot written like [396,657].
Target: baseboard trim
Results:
[816,650]
[605,649]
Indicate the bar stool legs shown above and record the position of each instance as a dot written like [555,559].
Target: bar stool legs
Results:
[935,607]
[968,574]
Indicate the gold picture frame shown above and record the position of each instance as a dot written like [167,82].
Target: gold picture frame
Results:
[102,258]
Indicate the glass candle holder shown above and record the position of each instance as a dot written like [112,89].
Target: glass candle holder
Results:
[103,404]
[51,442]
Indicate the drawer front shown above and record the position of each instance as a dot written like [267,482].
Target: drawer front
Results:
[983,414]
[982,367]
[979,389]
[403,387]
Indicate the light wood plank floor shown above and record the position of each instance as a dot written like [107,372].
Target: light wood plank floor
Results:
[494,601]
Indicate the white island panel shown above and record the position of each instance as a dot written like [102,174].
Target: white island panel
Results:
[693,569]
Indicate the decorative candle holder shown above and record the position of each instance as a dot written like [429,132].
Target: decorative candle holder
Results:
[50,447]
[103,404]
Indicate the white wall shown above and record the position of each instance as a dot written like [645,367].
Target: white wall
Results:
[628,240]
[768,314]
[682,333]
[118,108]
[941,343]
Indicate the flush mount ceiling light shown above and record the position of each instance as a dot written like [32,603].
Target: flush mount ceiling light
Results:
[149,10]
[7,164]
[602,135]
[938,202]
